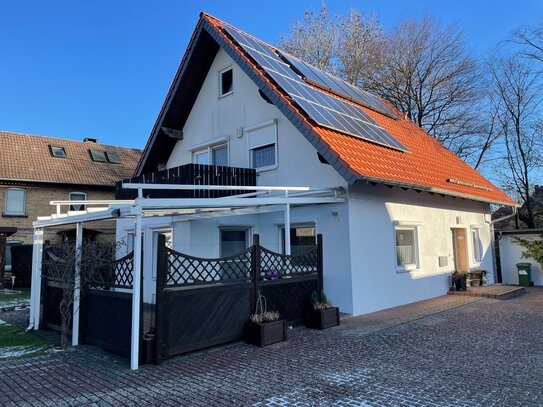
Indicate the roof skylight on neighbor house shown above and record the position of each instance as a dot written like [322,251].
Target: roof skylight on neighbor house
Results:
[58,151]
[98,155]
[107,156]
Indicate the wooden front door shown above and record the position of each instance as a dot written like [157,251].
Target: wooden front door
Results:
[460,250]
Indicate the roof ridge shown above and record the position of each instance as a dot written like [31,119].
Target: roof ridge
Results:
[65,139]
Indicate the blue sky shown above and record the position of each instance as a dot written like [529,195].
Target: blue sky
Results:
[75,69]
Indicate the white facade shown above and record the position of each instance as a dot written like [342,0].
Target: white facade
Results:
[360,259]
[511,254]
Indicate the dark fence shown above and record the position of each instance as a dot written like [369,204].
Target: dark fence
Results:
[106,304]
[205,302]
[190,174]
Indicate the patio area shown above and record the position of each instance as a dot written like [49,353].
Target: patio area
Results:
[451,350]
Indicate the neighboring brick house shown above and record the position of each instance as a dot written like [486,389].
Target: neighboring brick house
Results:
[35,170]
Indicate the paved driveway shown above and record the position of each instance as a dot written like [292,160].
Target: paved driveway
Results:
[469,351]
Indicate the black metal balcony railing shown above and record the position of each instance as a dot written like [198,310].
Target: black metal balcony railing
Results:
[190,174]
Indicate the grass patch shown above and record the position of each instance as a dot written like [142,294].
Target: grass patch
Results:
[22,297]
[16,343]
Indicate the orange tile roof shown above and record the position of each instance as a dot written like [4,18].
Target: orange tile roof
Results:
[426,166]
[25,157]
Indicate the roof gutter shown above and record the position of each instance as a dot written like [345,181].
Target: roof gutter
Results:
[434,190]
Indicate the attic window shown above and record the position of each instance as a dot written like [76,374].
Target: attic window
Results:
[113,156]
[58,151]
[98,155]
[226,82]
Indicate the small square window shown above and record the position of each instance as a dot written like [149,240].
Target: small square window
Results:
[98,155]
[77,196]
[113,156]
[58,151]
[227,82]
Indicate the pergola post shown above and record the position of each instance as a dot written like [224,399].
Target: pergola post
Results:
[136,295]
[77,283]
[287,226]
[35,293]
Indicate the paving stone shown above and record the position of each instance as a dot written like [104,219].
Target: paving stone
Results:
[449,351]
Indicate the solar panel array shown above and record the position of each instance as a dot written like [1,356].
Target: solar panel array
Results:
[336,85]
[328,111]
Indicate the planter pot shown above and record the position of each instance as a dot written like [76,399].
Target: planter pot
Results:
[475,282]
[460,284]
[267,333]
[321,319]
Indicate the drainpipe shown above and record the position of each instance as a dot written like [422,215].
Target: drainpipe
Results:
[493,241]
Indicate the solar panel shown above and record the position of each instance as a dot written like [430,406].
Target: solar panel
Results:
[326,110]
[336,85]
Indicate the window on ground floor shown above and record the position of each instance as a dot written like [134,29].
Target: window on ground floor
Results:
[302,238]
[406,239]
[476,243]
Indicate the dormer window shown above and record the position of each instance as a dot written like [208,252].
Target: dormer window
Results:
[226,82]
[58,151]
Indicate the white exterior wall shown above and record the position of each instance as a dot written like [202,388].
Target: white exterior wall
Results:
[511,254]
[214,118]
[360,273]
[377,284]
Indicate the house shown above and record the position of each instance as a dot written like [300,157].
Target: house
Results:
[35,170]
[255,151]
[414,211]
[511,252]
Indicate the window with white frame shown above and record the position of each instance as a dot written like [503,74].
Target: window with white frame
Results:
[226,82]
[262,141]
[77,196]
[15,202]
[476,243]
[212,155]
[407,251]
[9,245]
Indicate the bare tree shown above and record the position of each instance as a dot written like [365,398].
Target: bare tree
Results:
[516,88]
[361,41]
[96,265]
[530,40]
[314,39]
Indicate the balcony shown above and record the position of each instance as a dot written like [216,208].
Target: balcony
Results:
[190,174]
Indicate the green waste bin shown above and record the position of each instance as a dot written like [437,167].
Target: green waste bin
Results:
[524,274]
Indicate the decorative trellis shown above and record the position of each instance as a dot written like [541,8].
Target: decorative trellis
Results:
[274,266]
[184,270]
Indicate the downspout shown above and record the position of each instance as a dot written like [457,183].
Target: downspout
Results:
[493,241]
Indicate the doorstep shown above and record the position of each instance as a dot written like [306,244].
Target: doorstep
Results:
[497,291]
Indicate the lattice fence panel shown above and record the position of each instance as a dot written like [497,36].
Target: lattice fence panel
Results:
[185,270]
[274,265]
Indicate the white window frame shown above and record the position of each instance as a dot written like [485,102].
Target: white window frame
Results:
[407,225]
[84,207]
[221,72]
[209,147]
[476,244]
[250,148]
[6,212]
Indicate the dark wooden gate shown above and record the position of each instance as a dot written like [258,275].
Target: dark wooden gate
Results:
[106,317]
[205,302]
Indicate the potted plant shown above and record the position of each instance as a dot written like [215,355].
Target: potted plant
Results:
[476,277]
[321,314]
[265,327]
[459,281]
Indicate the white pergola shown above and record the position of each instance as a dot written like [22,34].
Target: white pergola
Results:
[257,200]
